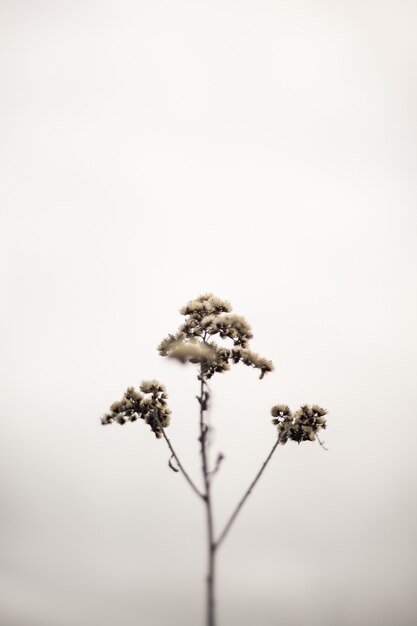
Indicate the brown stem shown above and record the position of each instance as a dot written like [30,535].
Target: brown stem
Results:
[245,496]
[180,467]
[210,619]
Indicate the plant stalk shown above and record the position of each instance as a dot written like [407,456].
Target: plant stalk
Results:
[180,466]
[245,496]
[211,546]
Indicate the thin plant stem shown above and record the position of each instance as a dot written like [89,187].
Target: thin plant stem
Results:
[180,466]
[210,616]
[321,443]
[245,496]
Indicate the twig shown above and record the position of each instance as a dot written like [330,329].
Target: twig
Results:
[321,443]
[219,460]
[245,496]
[180,467]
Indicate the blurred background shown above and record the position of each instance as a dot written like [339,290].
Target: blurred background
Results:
[152,151]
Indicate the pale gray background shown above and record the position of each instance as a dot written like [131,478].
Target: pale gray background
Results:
[265,151]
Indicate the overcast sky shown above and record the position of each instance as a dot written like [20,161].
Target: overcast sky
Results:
[152,151]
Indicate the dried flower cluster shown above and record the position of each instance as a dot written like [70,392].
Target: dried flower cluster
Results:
[206,317]
[151,407]
[303,425]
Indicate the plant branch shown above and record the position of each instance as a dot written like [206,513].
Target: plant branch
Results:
[321,443]
[219,460]
[180,466]
[245,496]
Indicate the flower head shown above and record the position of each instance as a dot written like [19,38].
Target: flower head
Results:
[206,317]
[303,425]
[151,407]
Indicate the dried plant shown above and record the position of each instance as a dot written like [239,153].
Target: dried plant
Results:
[205,318]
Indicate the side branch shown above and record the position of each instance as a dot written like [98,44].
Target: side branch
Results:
[245,496]
[180,467]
